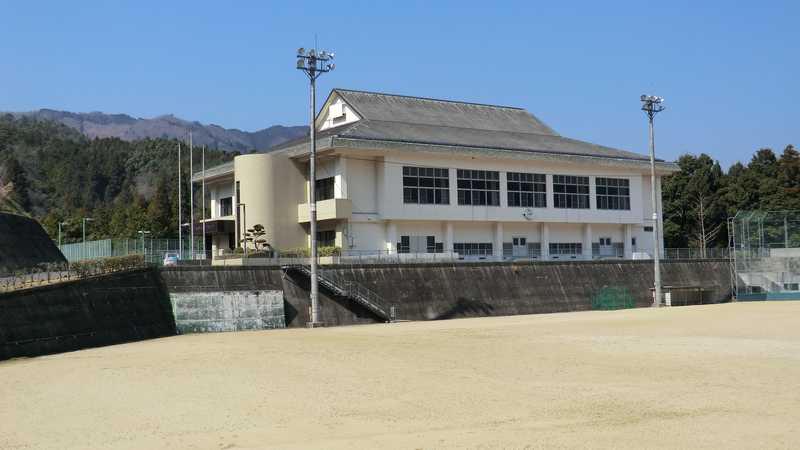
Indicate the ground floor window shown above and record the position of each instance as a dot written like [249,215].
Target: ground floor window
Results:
[326,238]
[565,249]
[419,244]
[791,286]
[473,249]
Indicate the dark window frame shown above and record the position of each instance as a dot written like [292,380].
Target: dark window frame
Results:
[612,193]
[426,185]
[571,192]
[527,190]
[325,188]
[478,187]
[226,206]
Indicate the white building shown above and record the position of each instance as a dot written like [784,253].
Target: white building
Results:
[404,174]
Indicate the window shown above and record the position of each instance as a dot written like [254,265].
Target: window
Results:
[478,187]
[419,244]
[473,249]
[613,193]
[426,186]
[648,229]
[791,286]
[566,249]
[226,206]
[326,238]
[527,190]
[324,189]
[570,192]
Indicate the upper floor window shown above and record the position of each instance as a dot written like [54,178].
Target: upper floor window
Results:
[613,193]
[226,206]
[570,192]
[426,185]
[324,188]
[527,189]
[478,187]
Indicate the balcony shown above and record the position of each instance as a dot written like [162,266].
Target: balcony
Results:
[335,208]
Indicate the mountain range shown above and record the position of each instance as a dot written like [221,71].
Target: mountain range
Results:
[125,127]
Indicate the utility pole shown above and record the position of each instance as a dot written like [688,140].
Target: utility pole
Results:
[313,64]
[59,231]
[204,201]
[651,105]
[191,197]
[83,245]
[143,233]
[180,211]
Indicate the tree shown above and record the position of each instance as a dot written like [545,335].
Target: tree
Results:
[16,184]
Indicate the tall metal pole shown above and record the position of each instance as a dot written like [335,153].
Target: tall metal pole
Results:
[180,207]
[203,183]
[191,197]
[653,198]
[312,202]
[313,64]
[652,105]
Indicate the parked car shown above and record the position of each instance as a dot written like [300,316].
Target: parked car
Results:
[171,259]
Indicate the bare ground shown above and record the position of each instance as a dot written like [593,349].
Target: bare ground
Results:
[722,376]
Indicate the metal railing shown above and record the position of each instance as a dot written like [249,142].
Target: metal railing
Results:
[53,273]
[365,257]
[356,290]
[696,253]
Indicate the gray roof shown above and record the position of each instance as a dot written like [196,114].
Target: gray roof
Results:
[212,172]
[416,120]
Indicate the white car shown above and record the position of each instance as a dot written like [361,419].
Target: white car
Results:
[171,259]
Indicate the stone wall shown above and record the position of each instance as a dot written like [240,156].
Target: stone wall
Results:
[103,310]
[24,244]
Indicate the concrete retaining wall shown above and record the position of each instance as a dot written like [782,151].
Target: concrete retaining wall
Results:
[98,311]
[432,292]
[204,312]
[24,244]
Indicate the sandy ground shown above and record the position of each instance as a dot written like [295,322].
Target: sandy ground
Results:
[722,376]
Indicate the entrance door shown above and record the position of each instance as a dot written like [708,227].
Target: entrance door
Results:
[606,249]
[519,247]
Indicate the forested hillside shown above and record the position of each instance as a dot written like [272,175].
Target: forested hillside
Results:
[699,198]
[56,174]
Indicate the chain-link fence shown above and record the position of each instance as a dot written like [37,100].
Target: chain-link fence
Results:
[766,254]
[153,250]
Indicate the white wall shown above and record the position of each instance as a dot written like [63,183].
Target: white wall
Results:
[391,206]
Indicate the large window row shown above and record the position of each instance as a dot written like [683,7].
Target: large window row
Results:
[429,185]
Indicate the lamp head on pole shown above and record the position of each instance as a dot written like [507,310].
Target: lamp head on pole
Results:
[652,104]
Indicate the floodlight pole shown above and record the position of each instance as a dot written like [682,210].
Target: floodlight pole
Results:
[313,64]
[59,231]
[180,212]
[651,105]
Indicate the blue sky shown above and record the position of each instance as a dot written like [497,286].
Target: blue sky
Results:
[728,70]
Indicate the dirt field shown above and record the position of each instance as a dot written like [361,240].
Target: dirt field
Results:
[724,376]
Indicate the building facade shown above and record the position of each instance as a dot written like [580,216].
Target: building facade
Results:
[398,174]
